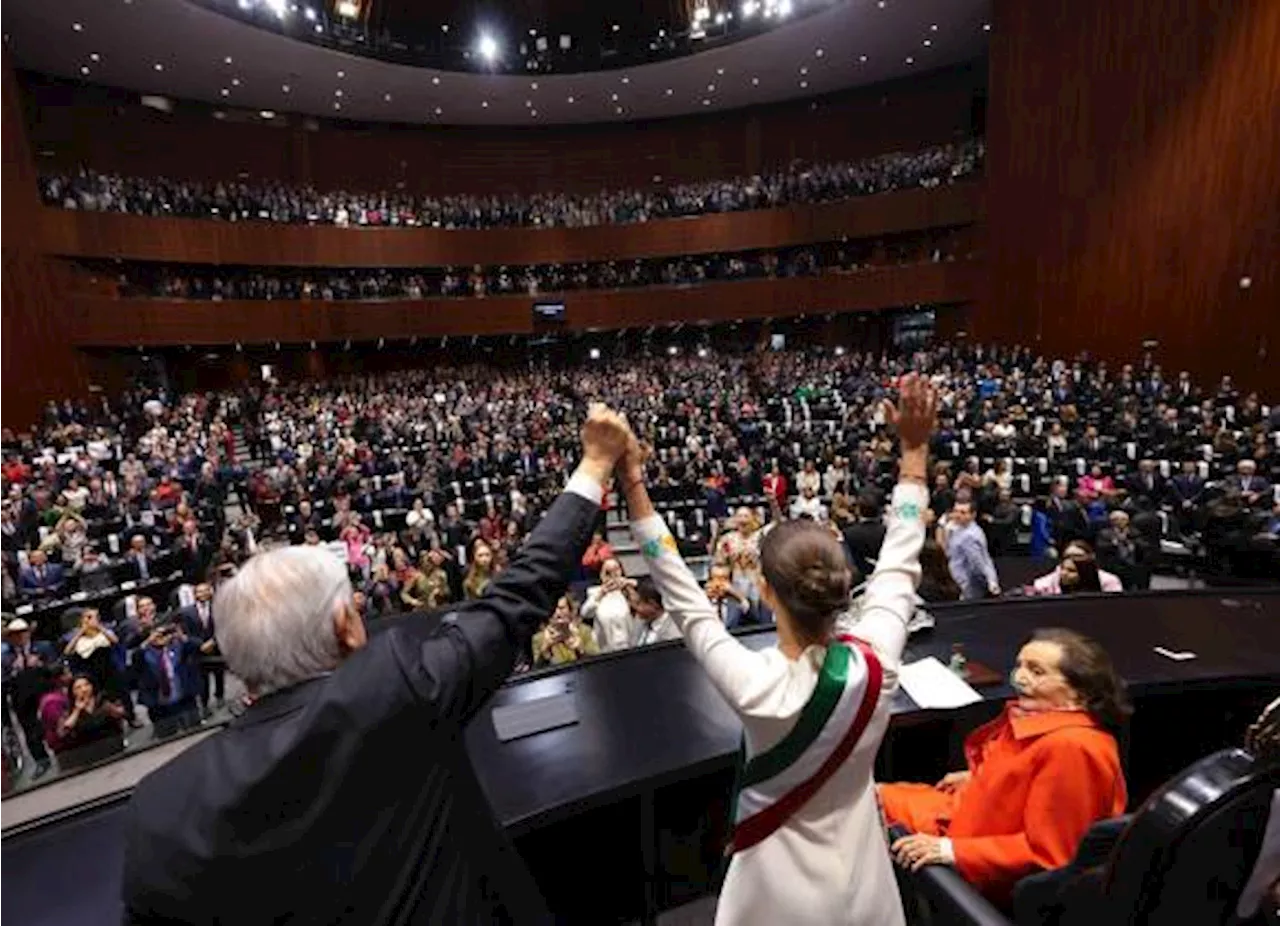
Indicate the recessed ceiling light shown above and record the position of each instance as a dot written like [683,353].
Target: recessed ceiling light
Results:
[95,57]
[266,114]
[226,60]
[720,71]
[706,102]
[933,28]
[616,27]
[755,81]
[881,4]
[618,110]
[387,97]
[159,66]
[819,52]
[337,93]
[533,31]
[341,74]
[534,85]
[319,29]
[927,43]
[910,60]
[804,71]
[711,88]
[862,58]
[84,69]
[533,113]
[435,81]
[529,103]
[986,27]
[438,109]
[76,27]
[614,97]
[235,81]
[670,91]
[444,27]
[626,80]
[284,87]
[225,92]
[337,106]
[570,99]
[804,84]
[484,104]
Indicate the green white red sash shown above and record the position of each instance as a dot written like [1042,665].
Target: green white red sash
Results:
[776,783]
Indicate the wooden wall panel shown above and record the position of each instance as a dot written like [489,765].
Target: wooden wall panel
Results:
[100,321]
[1134,177]
[113,235]
[110,131]
[39,364]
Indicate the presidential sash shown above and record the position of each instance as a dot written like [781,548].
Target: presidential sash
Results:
[775,784]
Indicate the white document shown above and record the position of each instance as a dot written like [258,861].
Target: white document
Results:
[935,687]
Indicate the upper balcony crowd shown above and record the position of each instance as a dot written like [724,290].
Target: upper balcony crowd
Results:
[797,183]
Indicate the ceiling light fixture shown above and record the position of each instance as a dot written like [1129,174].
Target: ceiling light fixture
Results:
[720,71]
[670,91]
[84,69]
[534,85]
[267,114]
[444,27]
[488,47]
[337,106]
[159,66]
[226,60]
[804,71]
[225,92]
[986,27]
[435,81]
[862,59]
[626,80]
[818,52]
[755,81]
[235,81]
[439,110]
[927,43]
[319,29]
[484,104]
[387,97]
[95,57]
[804,85]
[341,74]
[614,97]
[749,9]
[570,99]
[706,102]
[76,27]
[337,93]
[284,87]
[528,104]
[533,113]
[348,9]
[310,14]
[711,88]
[933,28]
[910,60]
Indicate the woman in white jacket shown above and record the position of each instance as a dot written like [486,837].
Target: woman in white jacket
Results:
[808,848]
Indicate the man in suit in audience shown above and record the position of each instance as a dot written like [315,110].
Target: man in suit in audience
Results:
[1186,493]
[1253,488]
[197,619]
[1146,482]
[324,817]
[656,626]
[192,552]
[866,535]
[141,562]
[40,577]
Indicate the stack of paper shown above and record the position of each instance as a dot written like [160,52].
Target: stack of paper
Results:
[935,687]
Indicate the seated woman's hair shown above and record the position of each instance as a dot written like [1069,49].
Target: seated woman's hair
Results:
[1088,669]
[806,568]
[1085,548]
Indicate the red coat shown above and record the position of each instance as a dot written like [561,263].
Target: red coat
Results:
[1038,781]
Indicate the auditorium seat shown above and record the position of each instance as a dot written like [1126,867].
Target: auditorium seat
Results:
[1183,857]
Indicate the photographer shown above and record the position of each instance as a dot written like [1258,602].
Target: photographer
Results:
[609,606]
[168,678]
[564,638]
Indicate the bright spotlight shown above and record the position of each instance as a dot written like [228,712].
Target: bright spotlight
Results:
[784,8]
[310,13]
[279,7]
[595,353]
[348,9]
[673,350]
[703,352]
[488,47]
[749,9]
[244,4]
[839,351]
[701,14]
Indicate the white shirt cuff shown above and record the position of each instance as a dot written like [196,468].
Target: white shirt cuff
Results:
[590,489]
[947,850]
[650,528]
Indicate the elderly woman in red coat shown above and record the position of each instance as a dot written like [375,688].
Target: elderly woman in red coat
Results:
[1038,775]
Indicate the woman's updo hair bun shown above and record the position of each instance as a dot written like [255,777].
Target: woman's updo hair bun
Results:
[806,568]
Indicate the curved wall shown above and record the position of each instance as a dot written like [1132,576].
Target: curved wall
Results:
[103,321]
[196,241]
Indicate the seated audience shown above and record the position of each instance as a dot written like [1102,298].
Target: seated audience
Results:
[1037,778]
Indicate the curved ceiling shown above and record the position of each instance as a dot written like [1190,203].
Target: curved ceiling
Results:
[174,48]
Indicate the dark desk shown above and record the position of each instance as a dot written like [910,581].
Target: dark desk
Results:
[655,743]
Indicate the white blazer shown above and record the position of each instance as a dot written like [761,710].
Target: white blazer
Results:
[829,864]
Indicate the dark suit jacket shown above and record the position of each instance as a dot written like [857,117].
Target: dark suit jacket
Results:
[864,540]
[350,798]
[52,579]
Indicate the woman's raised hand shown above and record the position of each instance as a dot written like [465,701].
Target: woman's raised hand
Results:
[915,415]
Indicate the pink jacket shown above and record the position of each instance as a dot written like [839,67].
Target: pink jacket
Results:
[1051,584]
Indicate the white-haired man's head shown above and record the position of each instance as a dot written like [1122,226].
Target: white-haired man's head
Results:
[287,616]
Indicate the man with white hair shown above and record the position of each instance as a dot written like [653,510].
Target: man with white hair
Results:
[344,793]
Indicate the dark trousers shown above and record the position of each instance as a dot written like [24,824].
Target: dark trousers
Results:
[32,729]
[213,679]
[168,719]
